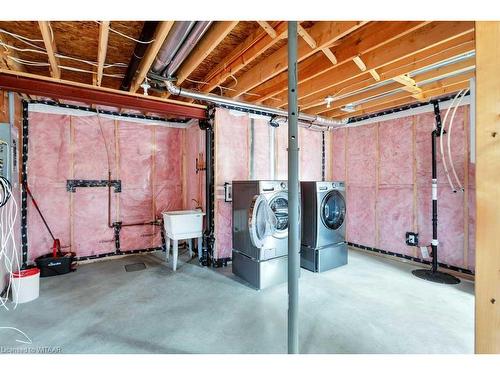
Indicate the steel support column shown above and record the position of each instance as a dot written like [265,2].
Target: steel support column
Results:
[293,194]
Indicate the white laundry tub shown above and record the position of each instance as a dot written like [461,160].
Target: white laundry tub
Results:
[183,224]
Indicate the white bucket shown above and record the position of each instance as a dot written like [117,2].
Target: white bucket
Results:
[25,285]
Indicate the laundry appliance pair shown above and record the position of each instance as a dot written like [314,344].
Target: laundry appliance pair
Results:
[260,229]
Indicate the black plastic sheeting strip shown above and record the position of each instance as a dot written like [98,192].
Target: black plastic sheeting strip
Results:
[400,109]
[71,185]
[24,194]
[105,112]
[113,254]
[409,257]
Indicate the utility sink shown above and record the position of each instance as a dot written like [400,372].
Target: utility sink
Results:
[183,224]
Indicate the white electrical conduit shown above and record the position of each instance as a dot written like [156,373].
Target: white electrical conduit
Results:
[450,127]
[443,125]
[314,122]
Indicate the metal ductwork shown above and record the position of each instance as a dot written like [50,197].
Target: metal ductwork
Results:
[187,46]
[180,30]
[178,45]
[311,120]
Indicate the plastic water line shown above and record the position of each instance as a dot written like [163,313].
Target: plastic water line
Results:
[450,127]
[441,142]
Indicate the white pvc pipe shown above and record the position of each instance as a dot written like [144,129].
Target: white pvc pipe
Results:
[450,127]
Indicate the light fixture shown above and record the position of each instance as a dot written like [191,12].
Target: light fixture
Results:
[145,86]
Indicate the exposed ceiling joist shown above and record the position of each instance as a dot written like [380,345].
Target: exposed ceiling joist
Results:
[367,38]
[268,29]
[324,33]
[446,90]
[427,90]
[422,39]
[102,49]
[160,35]
[253,46]
[465,66]
[204,48]
[50,47]
[448,50]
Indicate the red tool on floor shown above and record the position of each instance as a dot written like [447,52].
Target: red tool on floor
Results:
[56,245]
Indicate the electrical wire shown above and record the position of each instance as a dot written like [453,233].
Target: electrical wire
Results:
[443,125]
[128,36]
[23,39]
[450,127]
[64,67]
[58,55]
[8,216]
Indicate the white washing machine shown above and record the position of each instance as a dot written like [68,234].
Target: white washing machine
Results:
[324,213]
[260,232]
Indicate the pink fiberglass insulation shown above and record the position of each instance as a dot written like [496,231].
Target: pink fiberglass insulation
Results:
[361,151]
[360,180]
[394,199]
[261,162]
[338,162]
[231,163]
[395,218]
[48,169]
[361,215]
[395,193]
[395,152]
[281,146]
[147,160]
[310,154]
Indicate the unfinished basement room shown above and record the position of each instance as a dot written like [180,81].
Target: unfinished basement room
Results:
[249,186]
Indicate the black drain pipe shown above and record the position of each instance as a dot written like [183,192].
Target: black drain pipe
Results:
[147,34]
[208,235]
[433,274]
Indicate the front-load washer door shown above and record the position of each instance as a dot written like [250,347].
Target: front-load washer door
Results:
[279,206]
[262,221]
[333,213]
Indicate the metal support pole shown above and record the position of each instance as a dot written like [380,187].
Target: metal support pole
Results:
[293,194]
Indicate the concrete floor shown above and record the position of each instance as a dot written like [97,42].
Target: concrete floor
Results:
[372,305]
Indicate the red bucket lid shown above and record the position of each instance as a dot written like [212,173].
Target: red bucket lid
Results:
[25,273]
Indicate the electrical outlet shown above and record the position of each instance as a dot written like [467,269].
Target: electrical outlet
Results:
[411,239]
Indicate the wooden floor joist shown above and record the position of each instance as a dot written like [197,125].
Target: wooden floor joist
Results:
[422,39]
[424,59]
[50,47]
[323,33]
[367,38]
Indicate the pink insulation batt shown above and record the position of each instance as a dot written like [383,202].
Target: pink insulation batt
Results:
[231,163]
[147,160]
[380,213]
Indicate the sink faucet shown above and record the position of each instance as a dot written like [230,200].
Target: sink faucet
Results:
[198,204]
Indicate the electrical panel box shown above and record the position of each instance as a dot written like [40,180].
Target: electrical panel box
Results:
[8,153]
